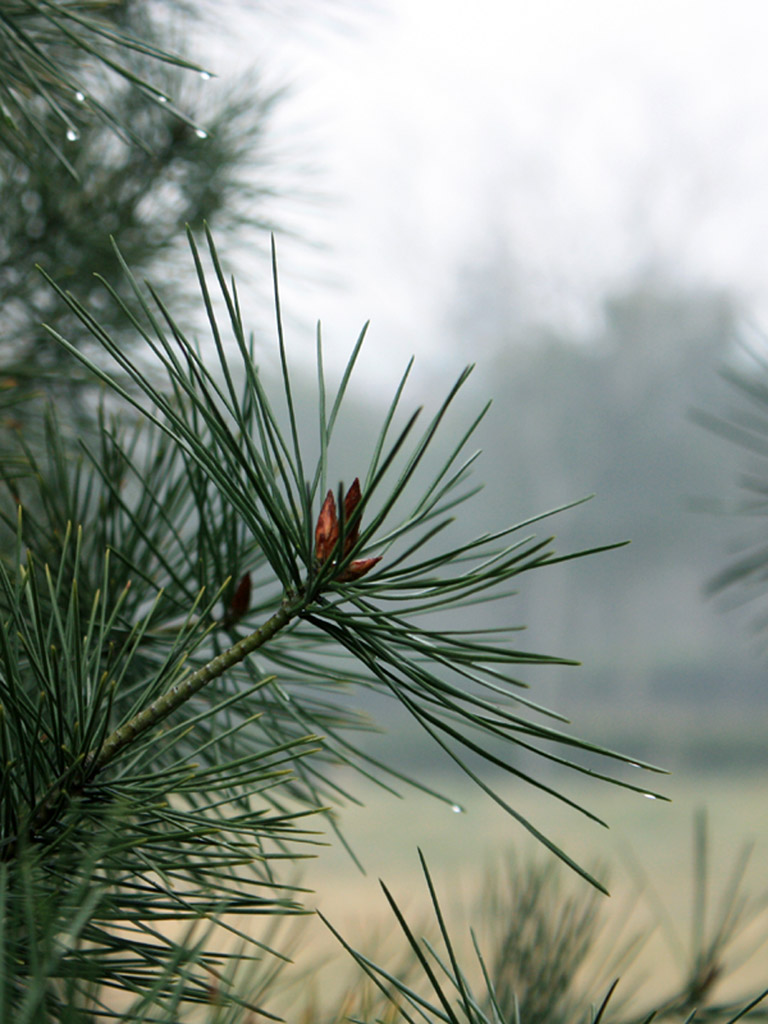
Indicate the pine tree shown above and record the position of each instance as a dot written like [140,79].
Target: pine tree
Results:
[186,593]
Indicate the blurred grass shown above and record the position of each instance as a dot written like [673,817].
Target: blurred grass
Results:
[648,847]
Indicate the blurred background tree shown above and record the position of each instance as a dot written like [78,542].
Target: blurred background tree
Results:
[107,148]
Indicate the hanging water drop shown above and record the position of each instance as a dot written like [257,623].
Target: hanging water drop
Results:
[162,99]
[72,134]
[201,133]
[650,796]
[80,96]
[457,809]
[206,76]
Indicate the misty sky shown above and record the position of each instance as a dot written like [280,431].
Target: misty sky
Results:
[586,141]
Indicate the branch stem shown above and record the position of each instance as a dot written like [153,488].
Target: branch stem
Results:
[186,688]
[100,757]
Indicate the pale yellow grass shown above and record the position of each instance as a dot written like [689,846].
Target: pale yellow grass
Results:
[647,837]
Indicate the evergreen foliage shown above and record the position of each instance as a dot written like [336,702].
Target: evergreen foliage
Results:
[746,425]
[188,596]
[136,167]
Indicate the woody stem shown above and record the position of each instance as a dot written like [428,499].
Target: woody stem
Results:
[186,688]
[174,697]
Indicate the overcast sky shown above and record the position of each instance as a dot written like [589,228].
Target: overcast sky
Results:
[588,138]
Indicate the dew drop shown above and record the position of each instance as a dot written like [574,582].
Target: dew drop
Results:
[206,76]
[80,96]
[634,764]
[162,99]
[457,809]
[650,796]
[201,133]
[72,135]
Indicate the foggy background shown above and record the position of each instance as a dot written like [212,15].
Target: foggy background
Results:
[573,196]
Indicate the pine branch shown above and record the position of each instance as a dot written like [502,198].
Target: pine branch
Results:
[50,53]
[361,586]
[182,691]
[85,769]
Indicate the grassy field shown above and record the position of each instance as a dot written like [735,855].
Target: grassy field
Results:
[648,846]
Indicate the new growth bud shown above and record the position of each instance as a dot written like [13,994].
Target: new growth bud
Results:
[327,529]
[359,567]
[327,534]
[240,603]
[241,600]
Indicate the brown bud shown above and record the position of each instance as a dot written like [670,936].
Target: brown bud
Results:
[327,534]
[358,568]
[241,599]
[351,501]
[327,529]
